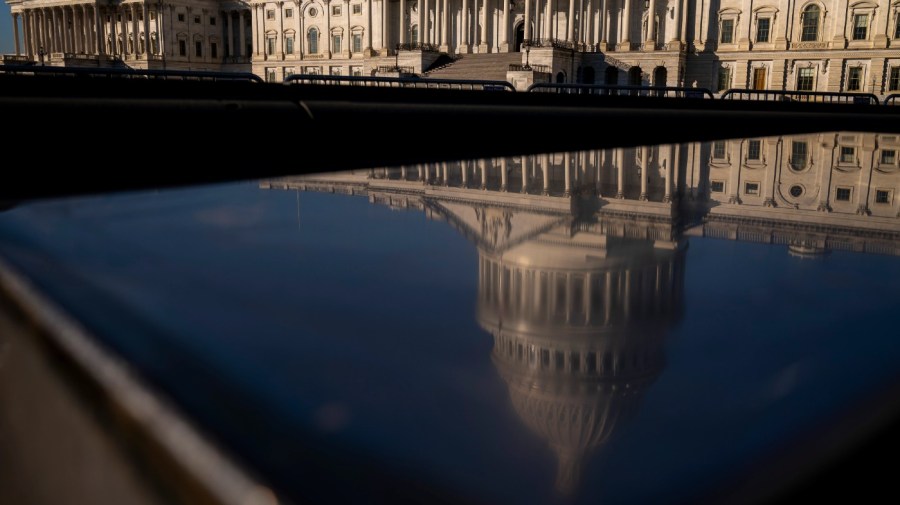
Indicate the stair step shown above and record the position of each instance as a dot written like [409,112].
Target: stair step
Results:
[491,66]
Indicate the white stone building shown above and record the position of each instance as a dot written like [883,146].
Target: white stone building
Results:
[827,45]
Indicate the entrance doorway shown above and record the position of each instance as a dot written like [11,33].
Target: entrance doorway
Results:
[612,76]
[659,76]
[759,78]
[634,76]
[520,37]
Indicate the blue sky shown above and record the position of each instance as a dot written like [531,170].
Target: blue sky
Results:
[6,30]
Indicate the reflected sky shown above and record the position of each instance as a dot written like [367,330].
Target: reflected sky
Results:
[616,326]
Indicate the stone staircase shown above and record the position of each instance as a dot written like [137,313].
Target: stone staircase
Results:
[491,66]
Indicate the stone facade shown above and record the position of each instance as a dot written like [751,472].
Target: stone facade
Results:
[829,45]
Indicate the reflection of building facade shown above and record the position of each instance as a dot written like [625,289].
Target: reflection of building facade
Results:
[832,45]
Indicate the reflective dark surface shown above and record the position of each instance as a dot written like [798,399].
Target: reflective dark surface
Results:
[624,326]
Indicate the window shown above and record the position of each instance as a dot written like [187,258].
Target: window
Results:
[753,149]
[894,79]
[806,79]
[724,78]
[897,29]
[334,70]
[799,154]
[182,48]
[759,78]
[270,74]
[888,157]
[180,17]
[882,196]
[357,8]
[289,45]
[270,14]
[313,44]
[196,20]
[335,10]
[289,13]
[719,150]
[357,42]
[414,33]
[860,26]
[212,21]
[288,71]
[270,46]
[727,31]
[717,187]
[198,49]
[751,188]
[848,154]
[809,24]
[213,50]
[357,71]
[762,29]
[335,43]
[842,194]
[796,191]
[312,70]
[854,78]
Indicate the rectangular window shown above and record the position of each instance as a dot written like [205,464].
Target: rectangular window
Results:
[181,17]
[357,8]
[212,21]
[334,71]
[357,43]
[724,78]
[860,26]
[888,157]
[289,13]
[717,187]
[270,74]
[336,43]
[753,149]
[357,71]
[196,20]
[894,79]
[198,49]
[270,14]
[152,16]
[762,29]
[182,48]
[335,10]
[882,196]
[854,78]
[213,50]
[799,153]
[848,154]
[727,34]
[759,78]
[719,150]
[289,45]
[312,70]
[751,188]
[270,46]
[806,79]
[842,194]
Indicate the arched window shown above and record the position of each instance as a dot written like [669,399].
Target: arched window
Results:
[414,33]
[313,41]
[809,29]
[561,77]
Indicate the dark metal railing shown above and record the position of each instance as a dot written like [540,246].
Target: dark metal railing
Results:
[130,73]
[516,67]
[384,69]
[557,43]
[617,90]
[772,95]
[401,82]
[892,99]
[417,46]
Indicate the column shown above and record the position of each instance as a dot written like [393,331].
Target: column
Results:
[135,36]
[446,180]
[626,27]
[254,16]
[464,173]
[482,164]
[347,38]
[279,10]
[668,177]
[227,48]
[525,171]
[420,10]
[570,22]
[645,166]
[148,44]
[503,174]
[15,20]
[98,30]
[369,25]
[402,26]
[123,21]
[77,29]
[384,27]
[567,162]
[27,34]
[651,26]
[676,166]
[528,33]
[545,171]
[620,173]
[483,46]
[548,18]
[114,46]
[771,146]
[677,19]
[242,40]
[504,29]
[464,15]
[445,27]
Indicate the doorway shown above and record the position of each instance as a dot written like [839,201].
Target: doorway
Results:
[759,78]
[520,37]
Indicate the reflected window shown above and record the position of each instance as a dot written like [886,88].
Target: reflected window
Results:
[842,194]
[806,79]
[356,43]
[336,43]
[854,78]
[182,48]
[762,29]
[289,13]
[289,45]
[357,8]
[356,71]
[270,75]
[809,29]
[860,26]
[270,46]
[894,79]
[717,186]
[848,154]
[313,43]
[882,196]
[799,154]
[888,157]
[897,28]
[753,150]
[719,150]
[724,81]
[727,31]
[335,10]
[751,188]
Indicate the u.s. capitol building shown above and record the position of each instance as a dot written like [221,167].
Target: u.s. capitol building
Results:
[822,45]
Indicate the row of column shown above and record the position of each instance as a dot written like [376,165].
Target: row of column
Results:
[241,33]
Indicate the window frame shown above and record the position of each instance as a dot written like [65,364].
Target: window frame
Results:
[720,184]
[750,148]
[812,78]
[847,155]
[805,14]
[888,196]
[755,188]
[356,9]
[793,163]
[855,28]
[723,32]
[768,20]
[837,194]
[854,78]
[894,77]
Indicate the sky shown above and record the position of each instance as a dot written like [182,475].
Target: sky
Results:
[7,46]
